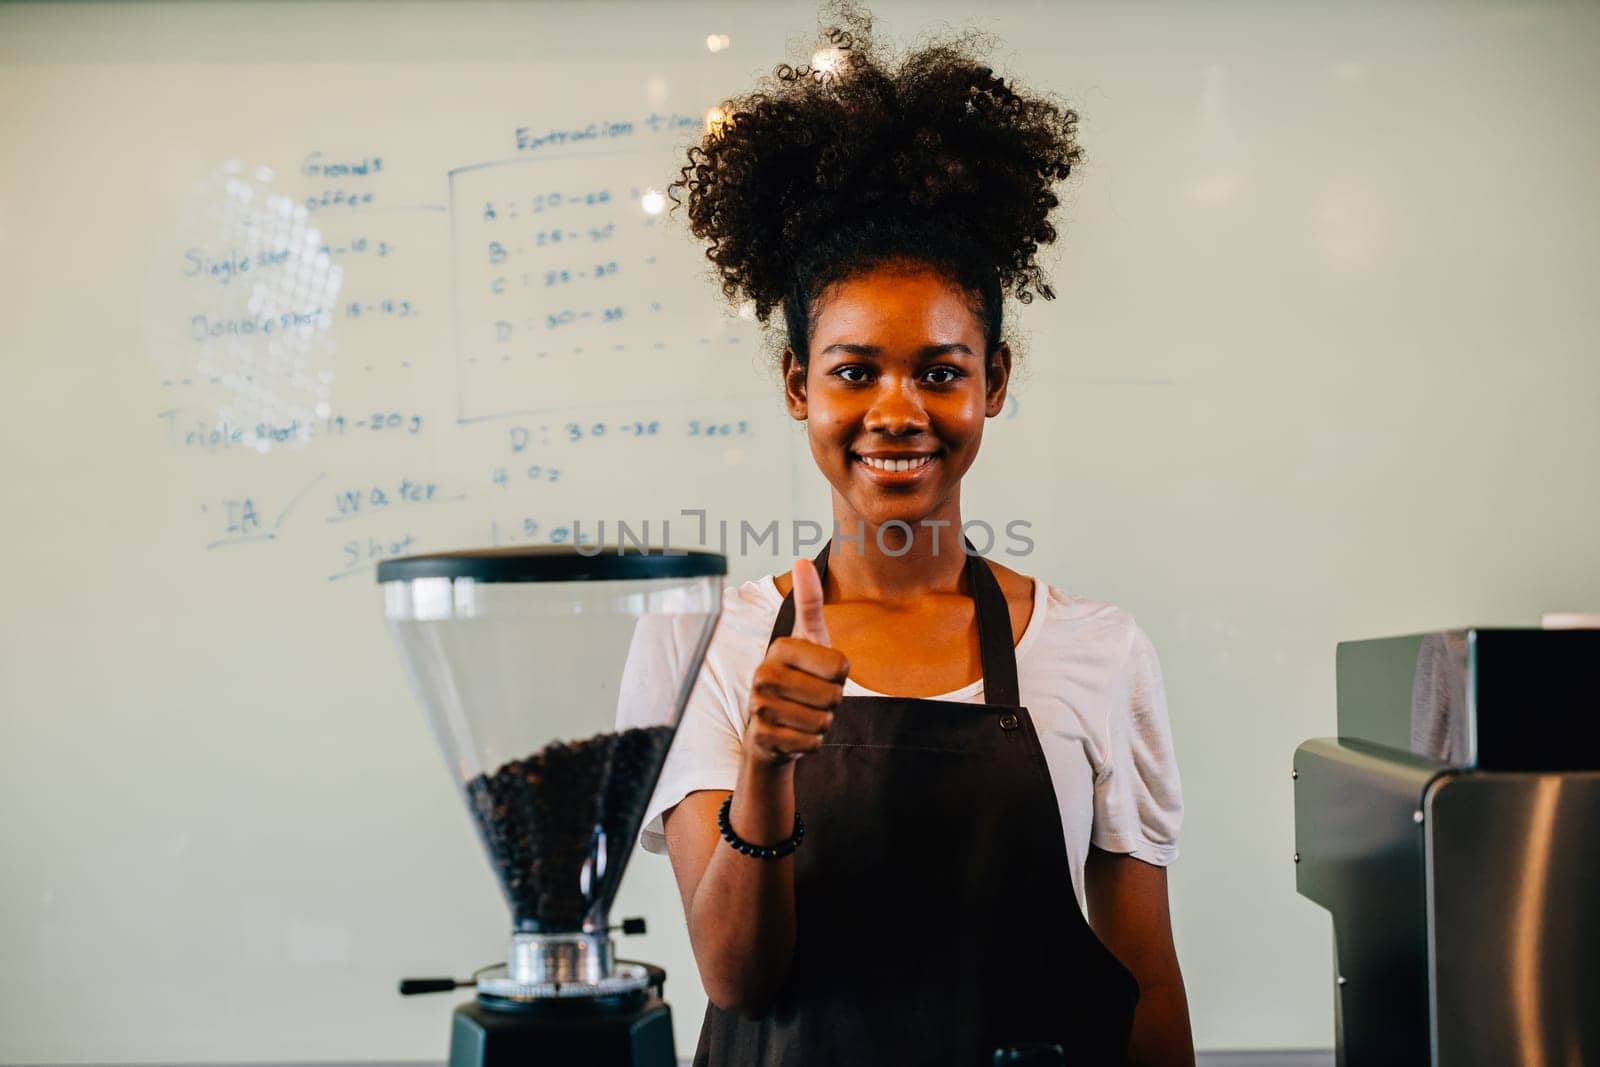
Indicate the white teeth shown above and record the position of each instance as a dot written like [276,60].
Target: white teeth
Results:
[895,464]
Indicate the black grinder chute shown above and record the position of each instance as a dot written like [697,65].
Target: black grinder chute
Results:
[554,677]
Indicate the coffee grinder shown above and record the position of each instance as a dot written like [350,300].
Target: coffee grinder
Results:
[554,677]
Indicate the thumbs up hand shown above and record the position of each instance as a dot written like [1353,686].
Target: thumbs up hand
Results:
[808,622]
[799,684]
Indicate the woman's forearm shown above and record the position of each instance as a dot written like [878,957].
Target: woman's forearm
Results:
[742,918]
[1161,1034]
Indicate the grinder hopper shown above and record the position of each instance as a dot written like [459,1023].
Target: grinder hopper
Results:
[554,677]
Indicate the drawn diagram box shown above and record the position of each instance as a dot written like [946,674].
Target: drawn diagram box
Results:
[573,287]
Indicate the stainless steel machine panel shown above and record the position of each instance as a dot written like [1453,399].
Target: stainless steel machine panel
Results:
[1452,830]
[1492,699]
[1360,854]
[1513,865]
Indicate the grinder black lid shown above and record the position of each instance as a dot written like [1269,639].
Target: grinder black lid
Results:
[555,563]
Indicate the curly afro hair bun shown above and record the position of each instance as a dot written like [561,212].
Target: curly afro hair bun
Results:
[827,170]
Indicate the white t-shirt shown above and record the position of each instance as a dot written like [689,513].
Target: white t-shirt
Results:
[1089,678]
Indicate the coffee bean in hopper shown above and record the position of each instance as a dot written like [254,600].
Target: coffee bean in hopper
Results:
[538,816]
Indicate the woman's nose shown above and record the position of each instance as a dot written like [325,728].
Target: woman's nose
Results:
[896,407]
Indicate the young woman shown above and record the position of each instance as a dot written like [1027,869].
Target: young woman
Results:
[905,769]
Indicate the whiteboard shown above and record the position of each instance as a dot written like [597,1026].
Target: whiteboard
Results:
[284,296]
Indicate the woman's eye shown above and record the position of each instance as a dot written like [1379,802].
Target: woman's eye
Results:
[855,373]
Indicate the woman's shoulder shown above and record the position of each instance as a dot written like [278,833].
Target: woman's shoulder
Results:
[748,609]
[757,594]
[1063,606]
[1075,626]
[1019,589]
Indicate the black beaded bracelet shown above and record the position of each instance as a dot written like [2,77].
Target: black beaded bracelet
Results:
[760,852]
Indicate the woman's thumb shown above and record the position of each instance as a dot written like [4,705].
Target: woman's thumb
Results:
[808,622]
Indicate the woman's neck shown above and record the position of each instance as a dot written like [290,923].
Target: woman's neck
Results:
[928,559]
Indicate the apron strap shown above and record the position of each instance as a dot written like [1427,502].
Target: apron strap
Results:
[999,655]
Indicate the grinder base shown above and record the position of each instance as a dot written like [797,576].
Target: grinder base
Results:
[633,1031]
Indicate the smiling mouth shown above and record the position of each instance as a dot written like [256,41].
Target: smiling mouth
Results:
[896,469]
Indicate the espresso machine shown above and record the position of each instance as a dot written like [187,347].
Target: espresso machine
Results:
[554,677]
[1452,830]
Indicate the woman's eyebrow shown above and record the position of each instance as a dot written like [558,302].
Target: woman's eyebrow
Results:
[925,352]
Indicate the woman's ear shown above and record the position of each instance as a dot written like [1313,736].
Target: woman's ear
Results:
[794,384]
[997,375]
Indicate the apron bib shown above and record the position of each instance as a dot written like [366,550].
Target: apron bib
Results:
[935,914]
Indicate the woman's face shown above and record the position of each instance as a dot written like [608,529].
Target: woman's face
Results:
[896,372]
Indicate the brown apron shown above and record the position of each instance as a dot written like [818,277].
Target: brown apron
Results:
[936,918]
